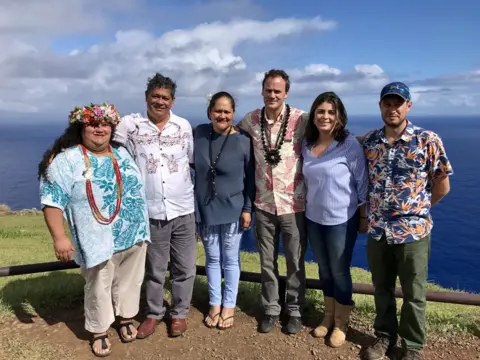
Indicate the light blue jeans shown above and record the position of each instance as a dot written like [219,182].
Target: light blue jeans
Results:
[222,247]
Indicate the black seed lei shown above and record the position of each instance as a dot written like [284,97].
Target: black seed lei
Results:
[212,193]
[272,156]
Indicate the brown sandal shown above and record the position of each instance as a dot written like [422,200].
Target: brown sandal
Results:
[211,318]
[129,332]
[223,320]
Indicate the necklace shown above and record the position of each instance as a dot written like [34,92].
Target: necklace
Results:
[212,193]
[88,173]
[272,156]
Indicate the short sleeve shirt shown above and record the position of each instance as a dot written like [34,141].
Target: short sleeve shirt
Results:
[65,188]
[400,180]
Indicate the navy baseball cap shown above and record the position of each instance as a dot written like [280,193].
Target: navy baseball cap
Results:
[396,88]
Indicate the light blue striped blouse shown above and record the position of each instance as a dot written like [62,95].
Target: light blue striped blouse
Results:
[336,181]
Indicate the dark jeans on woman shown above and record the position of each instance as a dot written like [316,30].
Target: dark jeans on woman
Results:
[332,246]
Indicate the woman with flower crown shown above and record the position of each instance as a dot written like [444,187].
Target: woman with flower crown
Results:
[94,184]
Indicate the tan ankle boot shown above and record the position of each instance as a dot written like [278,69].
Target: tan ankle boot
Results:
[328,318]
[342,317]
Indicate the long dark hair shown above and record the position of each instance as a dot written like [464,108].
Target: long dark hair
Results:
[339,132]
[72,136]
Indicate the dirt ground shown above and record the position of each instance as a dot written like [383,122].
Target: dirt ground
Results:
[61,335]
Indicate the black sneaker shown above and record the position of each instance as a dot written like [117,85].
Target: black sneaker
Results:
[294,325]
[410,355]
[268,323]
[377,351]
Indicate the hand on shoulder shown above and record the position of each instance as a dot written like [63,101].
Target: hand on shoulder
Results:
[362,138]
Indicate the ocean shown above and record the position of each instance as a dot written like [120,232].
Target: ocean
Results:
[456,233]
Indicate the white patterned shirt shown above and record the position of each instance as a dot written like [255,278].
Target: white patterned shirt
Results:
[164,159]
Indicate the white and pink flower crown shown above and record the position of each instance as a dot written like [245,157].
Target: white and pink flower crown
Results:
[95,113]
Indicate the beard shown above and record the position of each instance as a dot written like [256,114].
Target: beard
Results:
[395,122]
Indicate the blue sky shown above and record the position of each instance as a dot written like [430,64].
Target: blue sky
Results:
[69,53]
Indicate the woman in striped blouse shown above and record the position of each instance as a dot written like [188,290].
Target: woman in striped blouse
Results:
[335,172]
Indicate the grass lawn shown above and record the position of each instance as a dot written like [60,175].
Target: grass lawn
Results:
[25,240]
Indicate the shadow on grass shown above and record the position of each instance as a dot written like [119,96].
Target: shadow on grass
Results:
[56,298]
[474,329]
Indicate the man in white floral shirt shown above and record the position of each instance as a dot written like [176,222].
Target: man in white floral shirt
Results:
[277,134]
[162,145]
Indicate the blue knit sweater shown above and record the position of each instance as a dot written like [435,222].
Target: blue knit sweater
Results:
[234,181]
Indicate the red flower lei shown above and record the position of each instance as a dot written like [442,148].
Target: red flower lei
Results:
[91,200]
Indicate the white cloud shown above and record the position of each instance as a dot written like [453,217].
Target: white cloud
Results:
[35,18]
[464,100]
[316,78]
[39,80]
[200,59]
[450,92]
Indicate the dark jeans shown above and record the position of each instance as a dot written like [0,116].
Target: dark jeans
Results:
[409,262]
[332,246]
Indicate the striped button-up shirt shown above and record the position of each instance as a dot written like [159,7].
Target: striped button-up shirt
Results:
[336,181]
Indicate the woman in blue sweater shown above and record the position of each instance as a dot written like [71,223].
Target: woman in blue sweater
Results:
[224,194]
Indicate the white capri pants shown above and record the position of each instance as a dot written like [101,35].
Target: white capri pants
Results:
[112,288]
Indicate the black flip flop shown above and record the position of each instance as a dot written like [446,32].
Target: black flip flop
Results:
[129,332]
[103,339]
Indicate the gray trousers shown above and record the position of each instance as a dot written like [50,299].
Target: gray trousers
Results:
[293,228]
[174,240]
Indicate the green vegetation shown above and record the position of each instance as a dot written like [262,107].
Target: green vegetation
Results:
[24,239]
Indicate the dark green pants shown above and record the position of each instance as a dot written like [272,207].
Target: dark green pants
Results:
[410,263]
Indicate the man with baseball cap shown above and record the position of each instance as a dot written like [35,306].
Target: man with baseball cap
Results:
[408,174]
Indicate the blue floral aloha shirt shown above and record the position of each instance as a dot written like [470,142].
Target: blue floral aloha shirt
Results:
[64,188]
